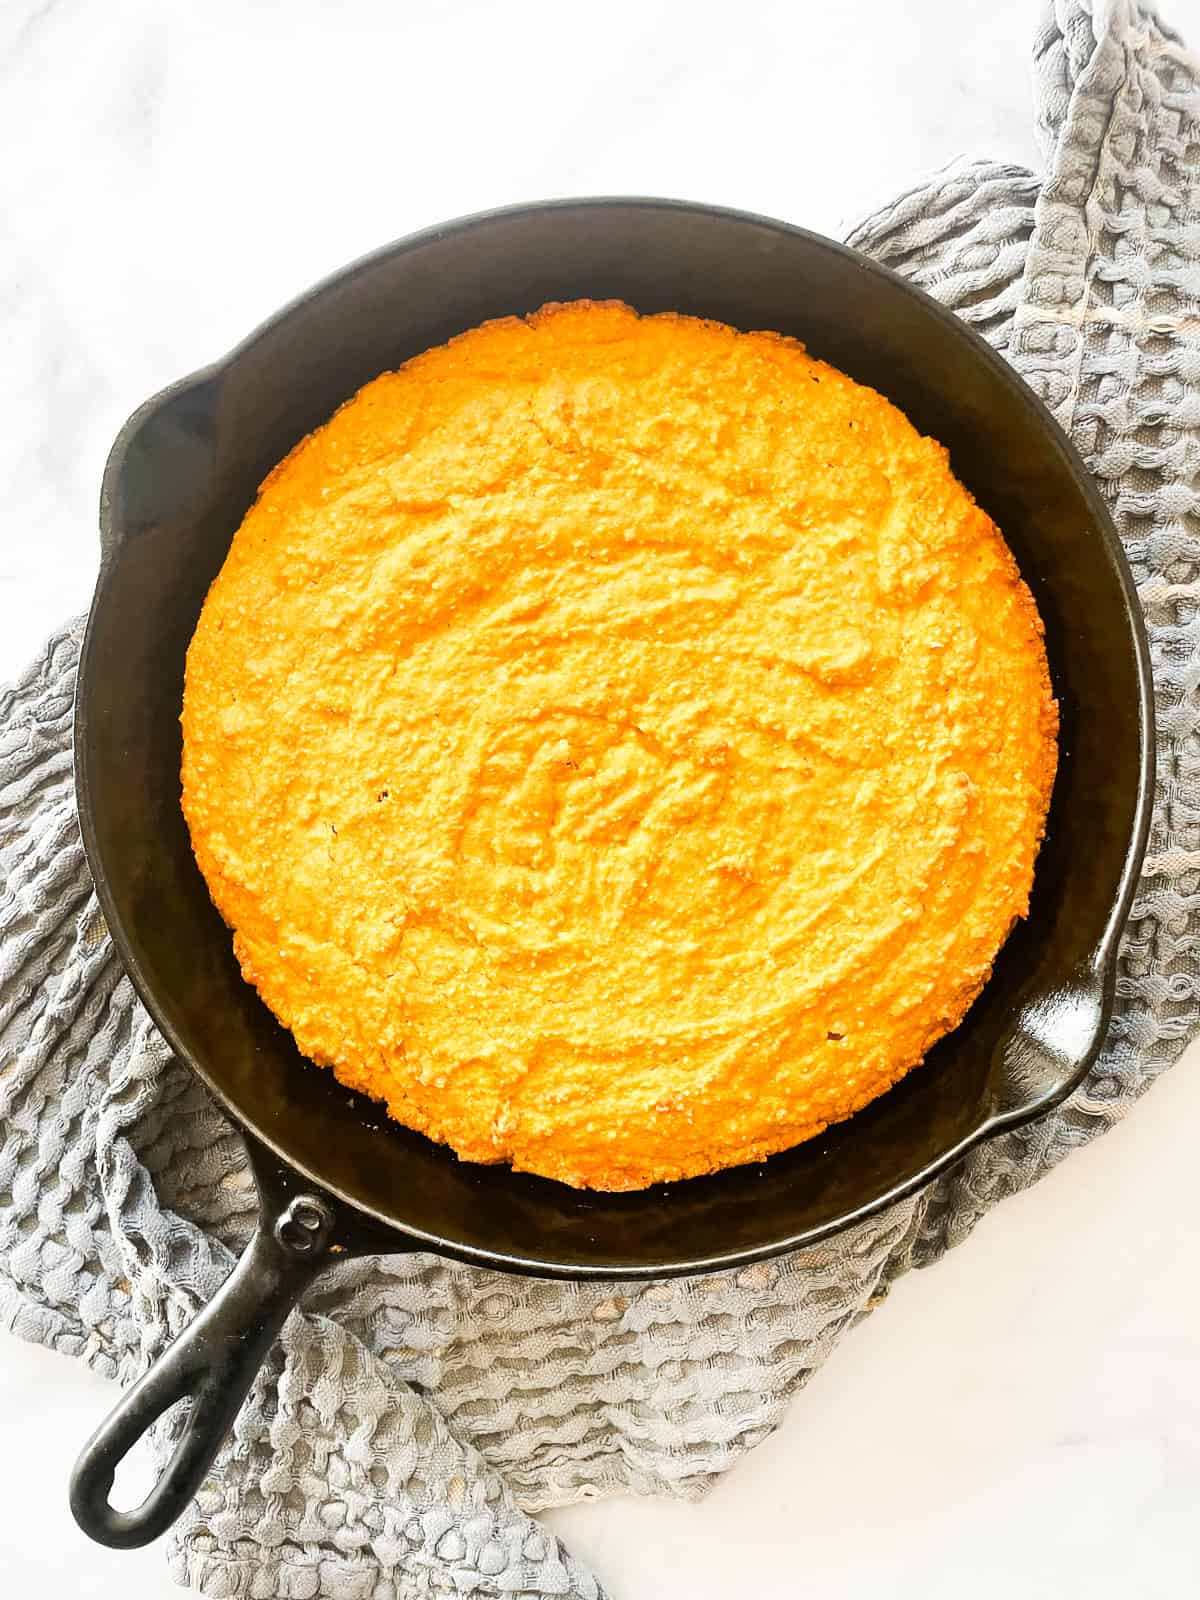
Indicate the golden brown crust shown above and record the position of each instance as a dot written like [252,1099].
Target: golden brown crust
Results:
[619,744]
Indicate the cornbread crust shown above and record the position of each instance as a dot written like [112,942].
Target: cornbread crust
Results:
[617,743]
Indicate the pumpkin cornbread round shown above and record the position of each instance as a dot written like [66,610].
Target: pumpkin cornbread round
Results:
[617,743]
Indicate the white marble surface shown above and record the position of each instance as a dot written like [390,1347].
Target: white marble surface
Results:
[1023,1419]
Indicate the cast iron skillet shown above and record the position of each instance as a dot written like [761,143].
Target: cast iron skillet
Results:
[333,1175]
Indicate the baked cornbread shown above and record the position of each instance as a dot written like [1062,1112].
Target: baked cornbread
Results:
[618,744]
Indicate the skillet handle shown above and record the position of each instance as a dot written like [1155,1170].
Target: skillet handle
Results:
[213,1362]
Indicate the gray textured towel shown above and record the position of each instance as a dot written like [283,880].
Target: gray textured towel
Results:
[415,1406]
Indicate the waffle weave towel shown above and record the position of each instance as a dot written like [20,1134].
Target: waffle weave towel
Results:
[415,1410]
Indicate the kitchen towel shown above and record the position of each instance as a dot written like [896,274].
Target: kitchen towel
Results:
[415,1411]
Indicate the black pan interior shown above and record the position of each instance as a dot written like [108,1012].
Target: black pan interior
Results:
[180,479]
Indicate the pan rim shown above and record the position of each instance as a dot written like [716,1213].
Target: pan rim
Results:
[1104,956]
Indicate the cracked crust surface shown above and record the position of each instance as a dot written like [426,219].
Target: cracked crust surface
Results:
[617,743]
